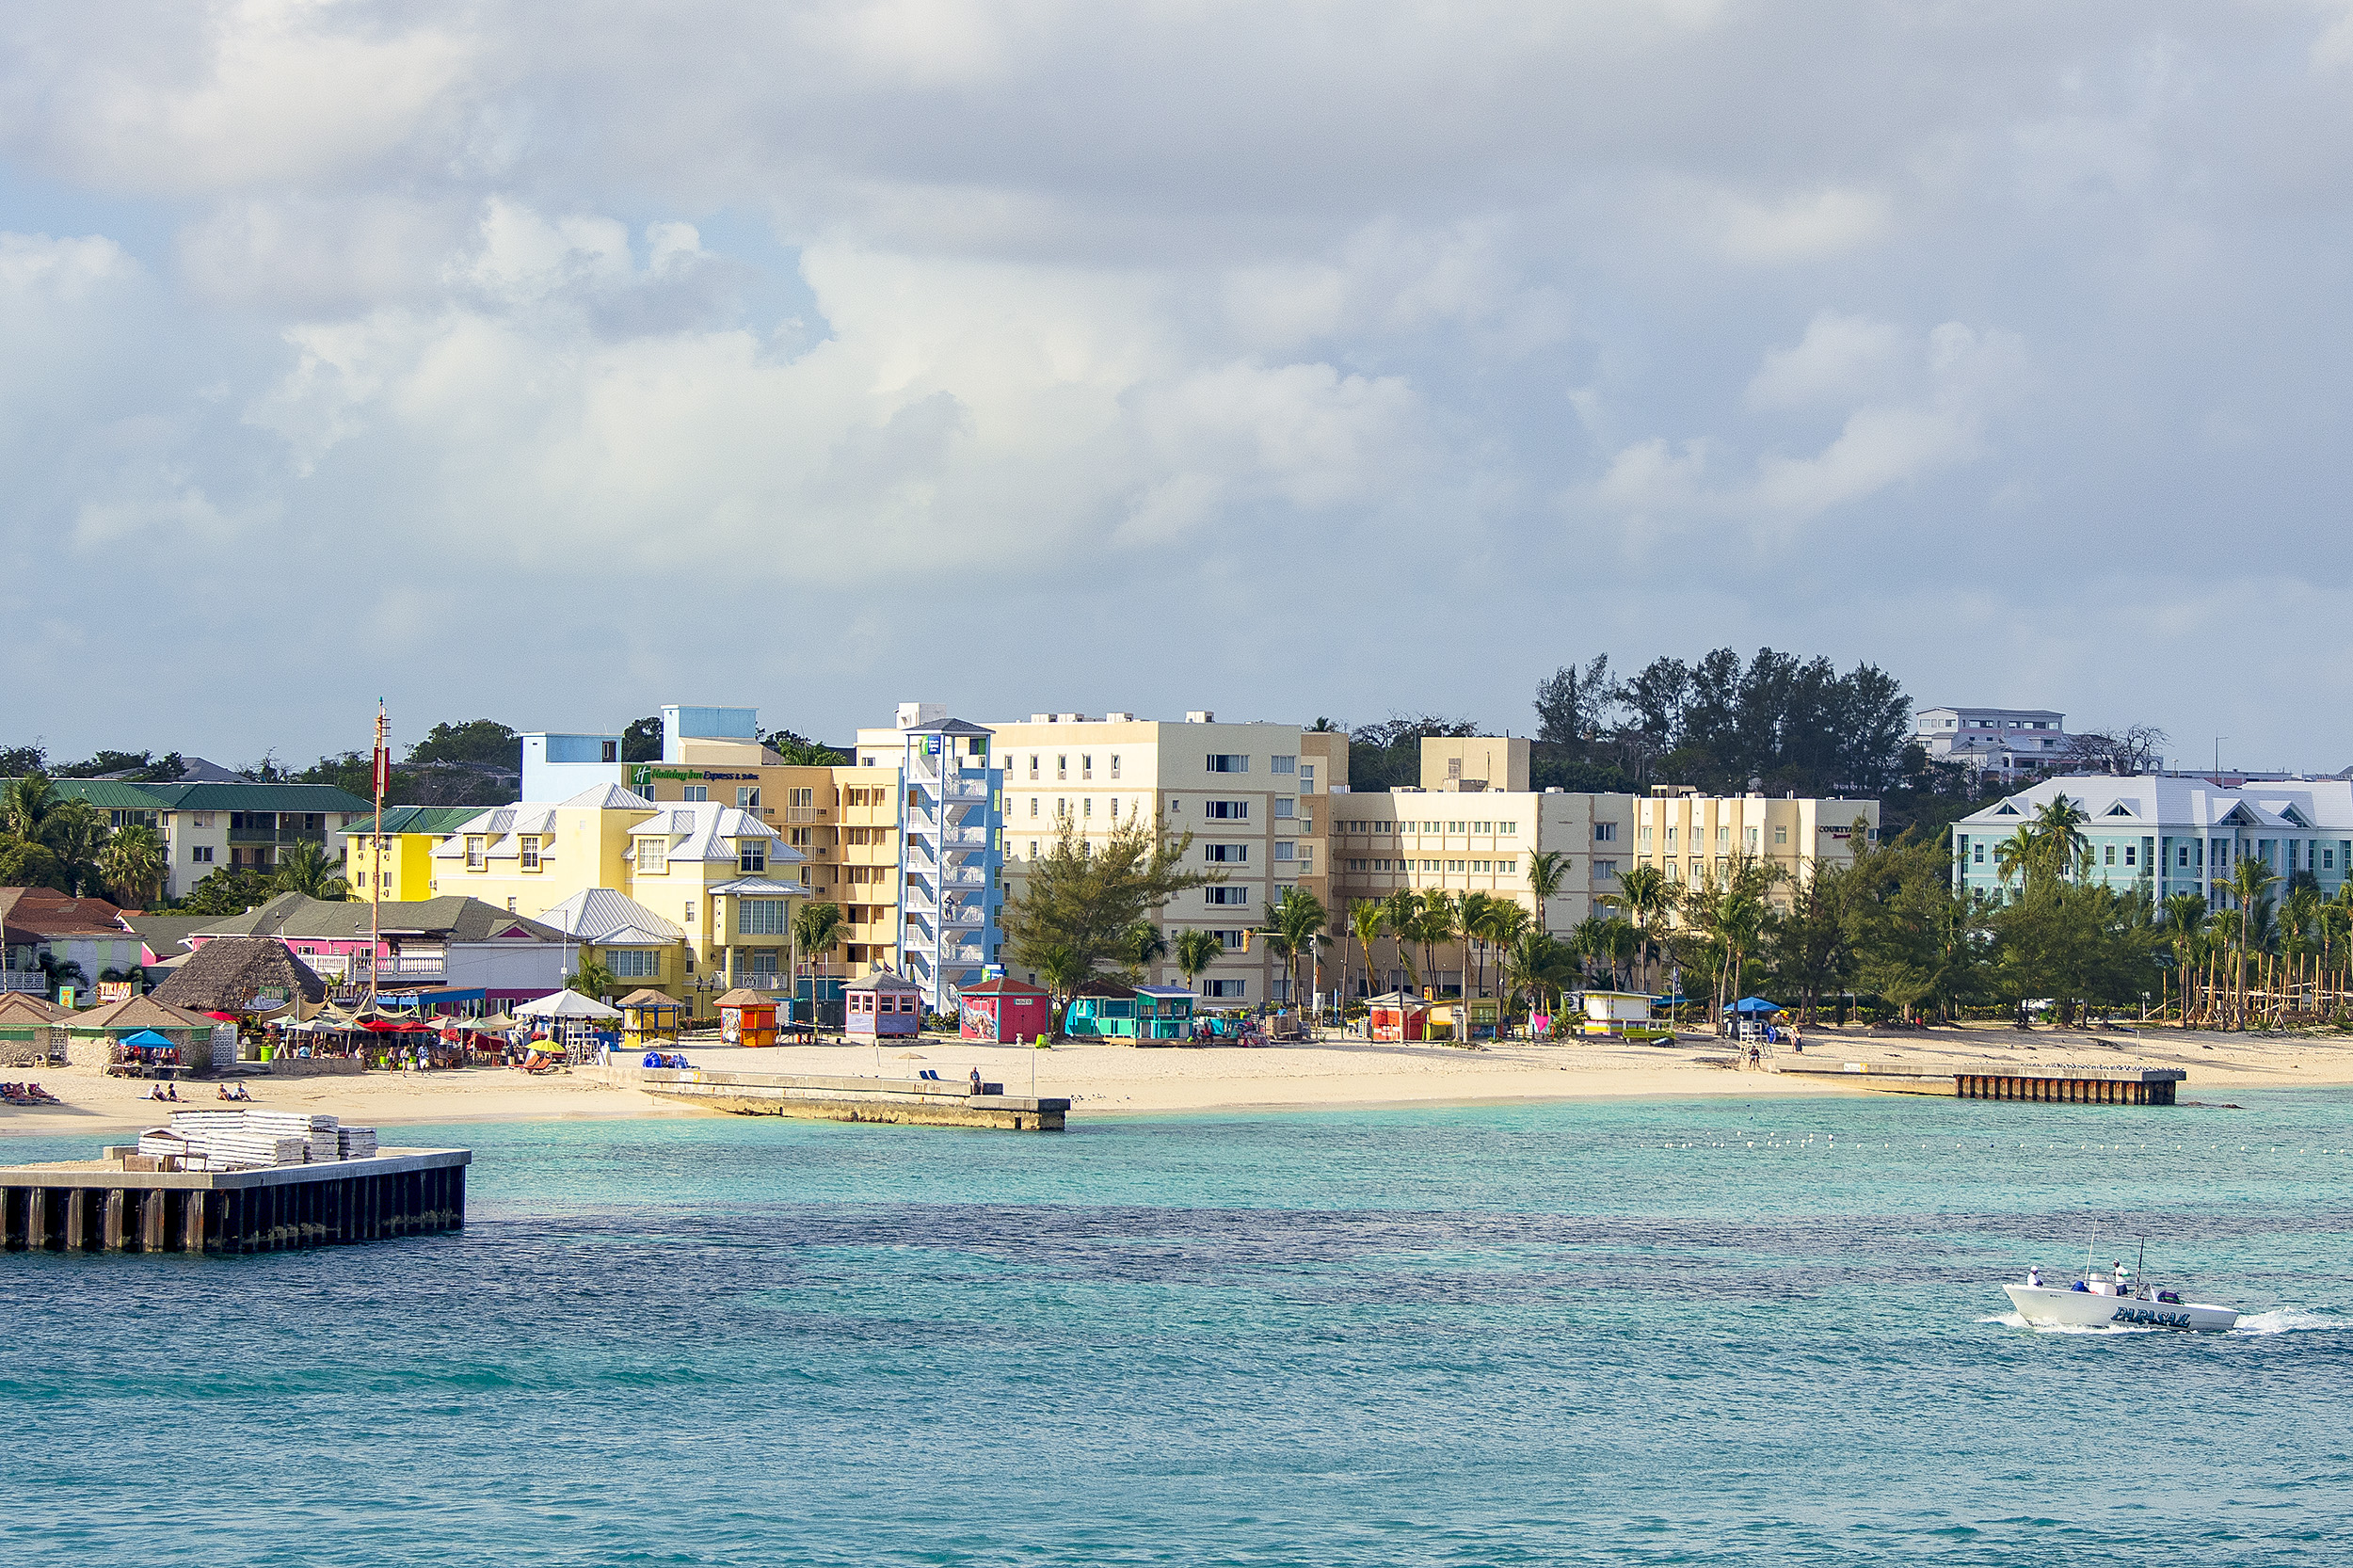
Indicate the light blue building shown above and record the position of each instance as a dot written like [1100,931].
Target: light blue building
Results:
[2168,836]
[952,855]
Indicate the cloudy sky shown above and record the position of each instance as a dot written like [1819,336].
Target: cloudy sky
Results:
[551,362]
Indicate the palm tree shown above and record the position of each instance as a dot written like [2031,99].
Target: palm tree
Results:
[1400,912]
[304,868]
[77,833]
[2055,830]
[1645,894]
[1196,950]
[1145,945]
[1441,920]
[134,863]
[1064,969]
[1473,914]
[1366,920]
[1293,927]
[29,801]
[592,978]
[1547,869]
[2185,922]
[2248,881]
[2013,856]
[815,929]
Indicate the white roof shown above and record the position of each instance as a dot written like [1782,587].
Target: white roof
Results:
[2152,804]
[610,797]
[602,916]
[566,1004]
[761,887]
[706,830]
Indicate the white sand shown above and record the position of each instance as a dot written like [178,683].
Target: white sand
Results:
[1115,1079]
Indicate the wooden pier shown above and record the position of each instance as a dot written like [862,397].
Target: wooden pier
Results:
[2069,1085]
[918,1102]
[101,1206]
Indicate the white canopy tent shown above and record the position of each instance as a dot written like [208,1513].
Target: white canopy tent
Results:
[566,1004]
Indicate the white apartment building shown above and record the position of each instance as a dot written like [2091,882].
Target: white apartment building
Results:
[2001,740]
[1255,797]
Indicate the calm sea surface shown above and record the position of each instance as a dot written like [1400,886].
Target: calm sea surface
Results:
[1723,1331]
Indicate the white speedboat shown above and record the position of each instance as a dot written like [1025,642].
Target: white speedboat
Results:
[2118,1299]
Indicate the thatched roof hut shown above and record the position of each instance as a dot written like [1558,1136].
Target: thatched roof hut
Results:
[225,974]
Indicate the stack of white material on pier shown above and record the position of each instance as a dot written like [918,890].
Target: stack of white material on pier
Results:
[244,1137]
[355,1143]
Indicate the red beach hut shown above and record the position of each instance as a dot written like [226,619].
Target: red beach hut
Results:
[1005,1010]
[1396,1017]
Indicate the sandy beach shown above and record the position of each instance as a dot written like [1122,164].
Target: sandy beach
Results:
[1118,1080]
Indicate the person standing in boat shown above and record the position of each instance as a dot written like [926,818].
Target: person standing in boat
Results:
[2034,1275]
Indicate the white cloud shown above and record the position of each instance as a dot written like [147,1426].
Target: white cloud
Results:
[1841,356]
[1801,228]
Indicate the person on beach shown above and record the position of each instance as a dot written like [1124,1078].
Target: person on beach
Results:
[1796,1040]
[976,1080]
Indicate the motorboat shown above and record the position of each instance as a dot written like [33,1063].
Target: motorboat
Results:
[2118,1297]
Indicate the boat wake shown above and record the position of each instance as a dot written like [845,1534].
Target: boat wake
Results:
[2014,1319]
[2285,1320]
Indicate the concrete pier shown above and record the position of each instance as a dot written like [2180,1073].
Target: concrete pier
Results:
[2060,1083]
[913,1101]
[99,1205]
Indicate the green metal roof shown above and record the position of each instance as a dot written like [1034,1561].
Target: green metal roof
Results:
[258,798]
[108,794]
[421,818]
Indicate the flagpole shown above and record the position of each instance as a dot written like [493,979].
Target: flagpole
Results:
[382,766]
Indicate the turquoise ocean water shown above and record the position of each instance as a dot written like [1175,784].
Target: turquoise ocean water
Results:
[1638,1332]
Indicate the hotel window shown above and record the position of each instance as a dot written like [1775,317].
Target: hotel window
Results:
[1232,941]
[690,911]
[1283,764]
[1285,850]
[1723,837]
[1671,838]
[1749,837]
[695,791]
[1642,836]
[1454,865]
[1034,806]
[1976,854]
[201,854]
[1115,805]
[1458,827]
[653,856]
[610,751]
[1482,827]
[1062,767]
[1478,865]
[1114,764]
[1284,809]
[1225,895]
[510,905]
[1781,835]
[802,798]
[1227,855]
[1607,871]
[1034,764]
[2128,853]
[1225,811]
[1225,761]
[1236,989]
[1307,778]
[1432,865]
[473,851]
[751,855]
[530,852]
[802,838]
[1062,805]
[1507,867]
[759,917]
[1086,764]
[633,964]
[1086,806]
[202,819]
[1032,849]
[2107,859]
[747,797]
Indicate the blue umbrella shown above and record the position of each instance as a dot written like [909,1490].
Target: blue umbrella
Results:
[147,1039]
[1755,1004]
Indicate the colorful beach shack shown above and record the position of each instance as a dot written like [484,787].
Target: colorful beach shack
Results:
[1164,1013]
[1100,1010]
[1395,1017]
[747,1017]
[1471,1018]
[1626,1013]
[1005,1011]
[882,1006]
[650,1018]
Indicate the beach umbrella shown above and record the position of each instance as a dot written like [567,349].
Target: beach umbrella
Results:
[147,1039]
[1755,1004]
[912,1056]
[566,1004]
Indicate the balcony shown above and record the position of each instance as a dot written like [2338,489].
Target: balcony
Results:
[278,836]
[23,980]
[804,813]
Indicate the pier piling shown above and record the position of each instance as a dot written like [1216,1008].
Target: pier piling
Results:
[101,1205]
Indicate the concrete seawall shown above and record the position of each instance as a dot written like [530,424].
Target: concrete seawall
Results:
[823,1097]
